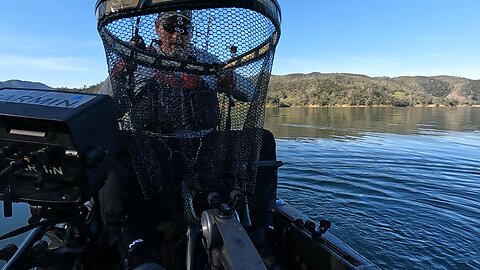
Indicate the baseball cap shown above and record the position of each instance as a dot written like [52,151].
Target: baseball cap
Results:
[175,16]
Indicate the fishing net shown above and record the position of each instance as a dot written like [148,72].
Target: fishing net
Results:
[190,85]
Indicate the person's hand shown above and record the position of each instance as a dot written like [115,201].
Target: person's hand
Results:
[138,42]
[119,69]
[123,69]
[225,81]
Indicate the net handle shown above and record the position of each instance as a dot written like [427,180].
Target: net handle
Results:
[150,59]
[111,10]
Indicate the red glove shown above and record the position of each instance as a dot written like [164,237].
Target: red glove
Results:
[191,82]
[187,81]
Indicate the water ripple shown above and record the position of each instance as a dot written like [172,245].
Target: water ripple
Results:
[401,199]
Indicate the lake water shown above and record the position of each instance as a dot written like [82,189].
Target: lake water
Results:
[400,185]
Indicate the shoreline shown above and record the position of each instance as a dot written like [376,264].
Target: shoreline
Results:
[375,106]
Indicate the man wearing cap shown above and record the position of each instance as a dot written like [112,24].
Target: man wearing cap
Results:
[174,30]
[125,213]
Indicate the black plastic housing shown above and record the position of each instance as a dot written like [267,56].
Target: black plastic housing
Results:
[72,138]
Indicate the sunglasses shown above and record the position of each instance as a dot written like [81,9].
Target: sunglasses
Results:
[181,29]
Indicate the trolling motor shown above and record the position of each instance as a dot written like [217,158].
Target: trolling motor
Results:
[55,151]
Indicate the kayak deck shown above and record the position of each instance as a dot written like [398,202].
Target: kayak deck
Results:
[302,247]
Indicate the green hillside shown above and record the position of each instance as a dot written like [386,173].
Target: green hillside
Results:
[339,89]
[318,89]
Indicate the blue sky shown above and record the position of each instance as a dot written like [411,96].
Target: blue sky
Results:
[56,42]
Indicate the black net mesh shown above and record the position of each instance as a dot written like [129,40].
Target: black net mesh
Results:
[190,87]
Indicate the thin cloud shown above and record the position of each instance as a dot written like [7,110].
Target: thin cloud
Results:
[358,65]
[66,64]
[447,38]
[372,66]
[19,43]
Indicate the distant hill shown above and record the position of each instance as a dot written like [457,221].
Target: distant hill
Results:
[341,89]
[24,84]
[93,89]
[324,89]
[36,85]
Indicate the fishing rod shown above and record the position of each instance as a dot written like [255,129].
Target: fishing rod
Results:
[231,103]
[136,41]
